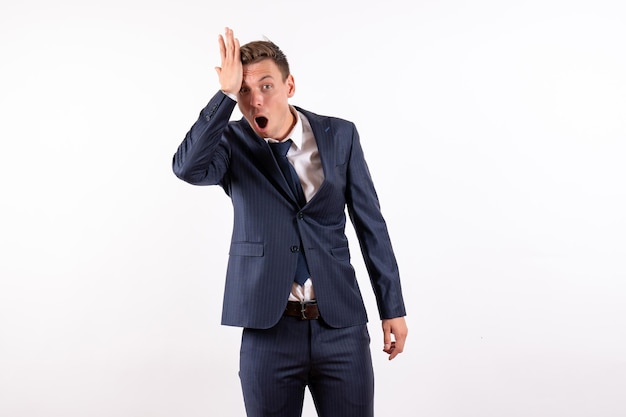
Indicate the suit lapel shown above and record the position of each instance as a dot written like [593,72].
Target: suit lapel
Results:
[267,163]
[323,134]
[263,154]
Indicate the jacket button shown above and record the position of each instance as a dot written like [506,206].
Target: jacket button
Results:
[300,215]
[295,248]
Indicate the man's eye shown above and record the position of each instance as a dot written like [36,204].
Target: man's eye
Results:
[243,90]
[267,86]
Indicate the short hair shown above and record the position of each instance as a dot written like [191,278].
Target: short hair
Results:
[257,51]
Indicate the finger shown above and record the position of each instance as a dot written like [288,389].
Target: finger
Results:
[400,340]
[222,47]
[398,346]
[228,36]
[233,50]
[393,354]
[386,338]
[231,44]
[391,348]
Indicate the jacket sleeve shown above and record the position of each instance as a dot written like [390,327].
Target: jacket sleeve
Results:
[203,156]
[372,233]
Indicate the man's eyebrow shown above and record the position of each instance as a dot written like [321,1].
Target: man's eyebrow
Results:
[263,78]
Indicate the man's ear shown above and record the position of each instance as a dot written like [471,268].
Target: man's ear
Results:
[291,86]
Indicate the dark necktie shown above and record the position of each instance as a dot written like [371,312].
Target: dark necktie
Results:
[280,152]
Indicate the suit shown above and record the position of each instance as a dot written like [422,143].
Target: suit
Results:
[264,247]
[280,355]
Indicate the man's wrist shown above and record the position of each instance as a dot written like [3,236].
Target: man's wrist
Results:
[231,95]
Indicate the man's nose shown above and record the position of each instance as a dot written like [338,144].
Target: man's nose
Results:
[256,99]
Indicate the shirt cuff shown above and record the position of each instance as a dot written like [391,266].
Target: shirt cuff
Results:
[231,95]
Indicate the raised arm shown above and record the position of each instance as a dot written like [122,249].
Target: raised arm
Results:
[202,158]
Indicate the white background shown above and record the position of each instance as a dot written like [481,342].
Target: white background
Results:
[504,194]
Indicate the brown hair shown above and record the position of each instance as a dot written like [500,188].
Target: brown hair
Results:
[257,51]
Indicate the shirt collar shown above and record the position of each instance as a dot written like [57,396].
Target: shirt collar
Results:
[296,133]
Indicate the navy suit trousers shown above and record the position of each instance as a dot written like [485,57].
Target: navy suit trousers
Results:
[277,364]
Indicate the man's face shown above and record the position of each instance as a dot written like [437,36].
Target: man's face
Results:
[263,99]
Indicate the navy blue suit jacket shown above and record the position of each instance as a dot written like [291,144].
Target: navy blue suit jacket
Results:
[269,225]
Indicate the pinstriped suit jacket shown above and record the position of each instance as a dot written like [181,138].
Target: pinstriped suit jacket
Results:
[269,226]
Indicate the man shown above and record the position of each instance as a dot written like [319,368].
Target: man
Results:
[289,281]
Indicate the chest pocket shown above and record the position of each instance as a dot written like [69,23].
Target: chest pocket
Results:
[246,249]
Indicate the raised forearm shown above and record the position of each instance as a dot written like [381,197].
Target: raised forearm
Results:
[199,159]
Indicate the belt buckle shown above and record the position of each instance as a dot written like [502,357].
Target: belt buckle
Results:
[303,305]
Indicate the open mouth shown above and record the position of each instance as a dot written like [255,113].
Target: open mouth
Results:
[261,121]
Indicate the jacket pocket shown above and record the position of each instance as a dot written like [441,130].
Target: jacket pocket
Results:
[246,249]
[342,253]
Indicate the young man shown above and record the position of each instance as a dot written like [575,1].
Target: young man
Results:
[289,282]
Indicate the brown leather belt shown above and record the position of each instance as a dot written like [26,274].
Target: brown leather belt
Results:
[305,310]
